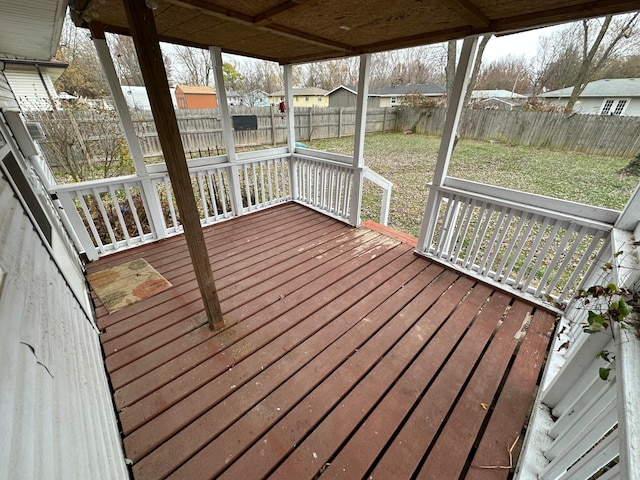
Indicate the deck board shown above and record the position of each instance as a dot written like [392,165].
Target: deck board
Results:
[344,355]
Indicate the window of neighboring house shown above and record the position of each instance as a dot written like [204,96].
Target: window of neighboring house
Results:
[319,99]
[613,107]
[306,98]
[394,100]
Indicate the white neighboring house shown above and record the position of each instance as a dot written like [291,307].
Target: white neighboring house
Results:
[616,96]
[32,82]
[137,98]
[497,99]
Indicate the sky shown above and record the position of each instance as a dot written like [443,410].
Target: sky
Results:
[518,44]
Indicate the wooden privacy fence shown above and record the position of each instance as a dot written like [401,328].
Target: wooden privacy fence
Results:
[201,130]
[598,134]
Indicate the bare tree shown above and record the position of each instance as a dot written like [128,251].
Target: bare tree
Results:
[83,77]
[600,40]
[508,73]
[125,59]
[555,63]
[194,65]
[416,65]
[451,67]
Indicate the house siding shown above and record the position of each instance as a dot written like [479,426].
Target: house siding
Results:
[342,98]
[56,414]
[30,90]
[6,95]
[593,105]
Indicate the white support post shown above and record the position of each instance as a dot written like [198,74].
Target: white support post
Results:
[358,147]
[291,128]
[629,218]
[149,192]
[77,226]
[454,112]
[627,362]
[227,130]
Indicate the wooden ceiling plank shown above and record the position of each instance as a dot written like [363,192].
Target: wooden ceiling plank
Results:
[469,12]
[242,19]
[145,37]
[264,17]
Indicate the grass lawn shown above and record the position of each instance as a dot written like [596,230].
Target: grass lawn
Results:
[409,161]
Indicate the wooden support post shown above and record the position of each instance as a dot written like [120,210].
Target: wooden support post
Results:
[454,112]
[358,148]
[145,37]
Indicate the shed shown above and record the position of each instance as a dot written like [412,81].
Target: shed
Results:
[195,97]
[137,98]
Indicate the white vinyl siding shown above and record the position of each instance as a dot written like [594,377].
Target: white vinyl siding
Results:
[30,90]
[56,413]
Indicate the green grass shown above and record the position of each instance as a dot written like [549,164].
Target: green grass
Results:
[409,161]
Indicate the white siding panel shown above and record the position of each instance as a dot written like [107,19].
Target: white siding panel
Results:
[31,92]
[56,414]
[7,100]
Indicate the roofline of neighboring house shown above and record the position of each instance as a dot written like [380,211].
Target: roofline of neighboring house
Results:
[339,87]
[435,94]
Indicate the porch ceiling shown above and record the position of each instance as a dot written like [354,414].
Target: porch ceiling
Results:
[295,31]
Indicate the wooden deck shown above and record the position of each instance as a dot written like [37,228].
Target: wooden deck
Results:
[345,356]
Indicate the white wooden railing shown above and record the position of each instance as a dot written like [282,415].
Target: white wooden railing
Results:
[111,214]
[537,246]
[582,426]
[324,181]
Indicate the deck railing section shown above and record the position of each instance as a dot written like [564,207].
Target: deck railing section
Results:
[111,214]
[106,215]
[537,246]
[324,182]
[583,426]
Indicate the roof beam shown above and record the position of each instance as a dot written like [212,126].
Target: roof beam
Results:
[145,38]
[262,23]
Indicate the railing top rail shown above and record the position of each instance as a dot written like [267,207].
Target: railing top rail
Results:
[528,207]
[377,178]
[320,155]
[89,184]
[193,163]
[263,154]
[587,212]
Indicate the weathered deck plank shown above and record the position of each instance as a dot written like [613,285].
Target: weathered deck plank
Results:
[344,354]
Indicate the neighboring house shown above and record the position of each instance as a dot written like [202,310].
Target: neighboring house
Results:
[497,99]
[392,95]
[195,97]
[32,82]
[389,96]
[137,98]
[256,98]
[618,96]
[303,97]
